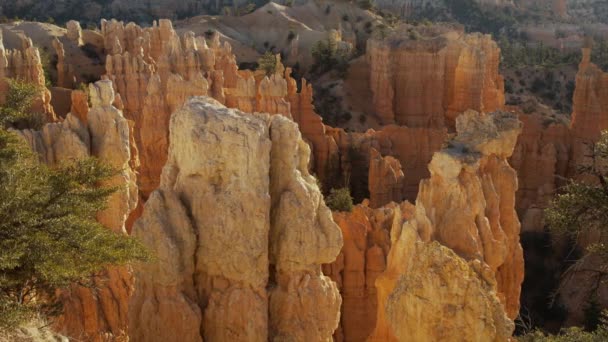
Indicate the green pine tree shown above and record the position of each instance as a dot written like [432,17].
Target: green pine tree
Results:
[49,237]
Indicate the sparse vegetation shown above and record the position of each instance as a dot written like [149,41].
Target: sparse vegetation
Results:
[268,63]
[339,200]
[328,56]
[16,112]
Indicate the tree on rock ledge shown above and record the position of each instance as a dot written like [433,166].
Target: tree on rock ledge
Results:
[49,236]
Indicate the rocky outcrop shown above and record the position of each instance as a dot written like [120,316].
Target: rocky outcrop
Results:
[240,231]
[25,65]
[589,111]
[541,159]
[385,179]
[74,32]
[95,314]
[459,257]
[367,242]
[426,76]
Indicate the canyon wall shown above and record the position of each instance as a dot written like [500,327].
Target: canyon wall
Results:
[99,313]
[426,76]
[240,230]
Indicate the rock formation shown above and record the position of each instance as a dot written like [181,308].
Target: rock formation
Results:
[95,314]
[74,32]
[155,71]
[412,147]
[65,72]
[363,257]
[25,64]
[256,278]
[385,179]
[589,111]
[459,257]
[426,76]
[541,159]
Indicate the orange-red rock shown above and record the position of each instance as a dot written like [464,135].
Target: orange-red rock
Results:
[458,257]
[426,76]
[385,179]
[25,64]
[363,257]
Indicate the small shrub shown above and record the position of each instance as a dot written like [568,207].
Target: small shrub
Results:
[339,200]
[268,63]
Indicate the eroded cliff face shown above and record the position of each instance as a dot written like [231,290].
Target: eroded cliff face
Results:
[367,242]
[24,64]
[459,257]
[426,76]
[97,314]
[240,230]
[155,71]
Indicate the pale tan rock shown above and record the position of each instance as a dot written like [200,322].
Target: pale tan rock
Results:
[226,213]
[74,32]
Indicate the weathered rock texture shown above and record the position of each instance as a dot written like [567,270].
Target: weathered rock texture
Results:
[427,76]
[411,147]
[98,314]
[155,71]
[385,179]
[25,65]
[541,160]
[458,260]
[240,231]
[366,234]
[590,108]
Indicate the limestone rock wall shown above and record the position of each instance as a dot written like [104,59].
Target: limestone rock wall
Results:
[240,230]
[98,314]
[426,76]
[459,256]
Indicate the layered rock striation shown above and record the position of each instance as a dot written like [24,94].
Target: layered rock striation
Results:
[240,230]
[426,76]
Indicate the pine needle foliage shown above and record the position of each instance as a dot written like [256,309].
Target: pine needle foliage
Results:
[49,236]
[16,111]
